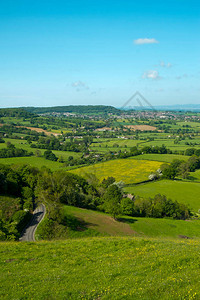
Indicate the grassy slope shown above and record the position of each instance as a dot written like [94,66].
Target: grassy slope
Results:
[184,192]
[100,268]
[96,223]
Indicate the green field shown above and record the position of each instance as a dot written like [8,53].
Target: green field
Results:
[164,228]
[127,170]
[169,143]
[33,161]
[100,268]
[183,192]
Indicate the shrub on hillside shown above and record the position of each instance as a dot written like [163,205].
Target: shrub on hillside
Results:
[48,154]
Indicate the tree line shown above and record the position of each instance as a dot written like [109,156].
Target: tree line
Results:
[181,168]
[22,186]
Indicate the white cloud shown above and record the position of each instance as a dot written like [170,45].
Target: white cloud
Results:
[151,74]
[80,85]
[145,41]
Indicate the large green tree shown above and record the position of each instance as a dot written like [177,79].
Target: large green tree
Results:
[112,201]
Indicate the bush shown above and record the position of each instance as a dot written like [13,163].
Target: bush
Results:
[50,229]
[190,151]
[127,207]
[21,218]
[50,155]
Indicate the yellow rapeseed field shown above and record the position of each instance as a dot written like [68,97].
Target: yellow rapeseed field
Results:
[127,170]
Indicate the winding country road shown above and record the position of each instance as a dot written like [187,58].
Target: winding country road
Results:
[28,233]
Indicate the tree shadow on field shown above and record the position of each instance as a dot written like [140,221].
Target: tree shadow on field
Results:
[127,220]
[192,178]
[77,224]
[84,225]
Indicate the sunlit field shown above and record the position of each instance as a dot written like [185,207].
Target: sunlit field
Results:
[183,192]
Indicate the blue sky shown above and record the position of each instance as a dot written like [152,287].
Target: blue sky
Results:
[99,52]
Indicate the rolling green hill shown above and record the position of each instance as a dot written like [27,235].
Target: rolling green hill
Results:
[80,109]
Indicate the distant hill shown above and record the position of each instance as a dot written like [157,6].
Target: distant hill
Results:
[180,107]
[15,112]
[77,109]
[176,107]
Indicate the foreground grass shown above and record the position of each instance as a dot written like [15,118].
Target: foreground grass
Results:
[100,268]
[127,170]
[184,192]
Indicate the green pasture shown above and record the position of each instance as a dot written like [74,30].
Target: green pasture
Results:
[161,157]
[184,192]
[33,161]
[19,143]
[164,228]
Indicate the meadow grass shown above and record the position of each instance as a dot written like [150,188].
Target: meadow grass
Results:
[184,192]
[100,268]
[127,170]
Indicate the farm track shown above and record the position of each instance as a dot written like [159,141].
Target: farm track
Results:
[28,234]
